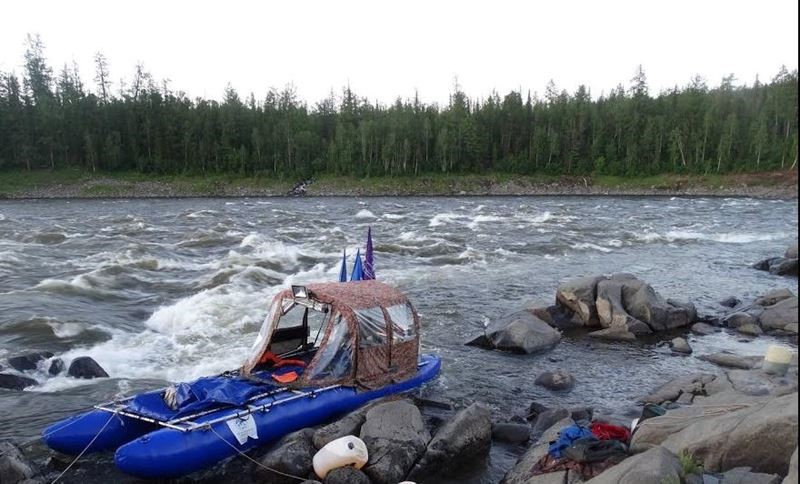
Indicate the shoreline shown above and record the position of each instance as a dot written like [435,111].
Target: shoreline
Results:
[79,185]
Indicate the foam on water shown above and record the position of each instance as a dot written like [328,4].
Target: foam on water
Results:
[364,213]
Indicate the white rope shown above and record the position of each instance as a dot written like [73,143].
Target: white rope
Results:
[259,464]
[84,449]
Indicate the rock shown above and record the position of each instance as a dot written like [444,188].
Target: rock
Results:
[791,252]
[729,360]
[346,475]
[558,477]
[13,465]
[791,477]
[16,382]
[461,441]
[56,366]
[521,472]
[556,380]
[685,399]
[86,367]
[350,424]
[742,475]
[28,361]
[656,466]
[644,304]
[764,265]
[791,328]
[704,329]
[581,414]
[522,332]
[669,392]
[730,302]
[395,437]
[547,419]
[511,432]
[557,316]
[613,334]
[735,320]
[610,310]
[786,267]
[535,410]
[480,341]
[750,329]
[774,296]
[758,432]
[680,346]
[579,296]
[691,309]
[780,314]
[293,455]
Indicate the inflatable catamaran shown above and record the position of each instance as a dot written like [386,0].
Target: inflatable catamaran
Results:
[323,350]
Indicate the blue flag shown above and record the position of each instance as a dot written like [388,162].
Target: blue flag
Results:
[369,261]
[343,270]
[358,270]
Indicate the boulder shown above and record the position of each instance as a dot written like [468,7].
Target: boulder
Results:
[780,314]
[611,312]
[656,466]
[735,320]
[547,419]
[704,329]
[461,441]
[557,316]
[346,475]
[729,302]
[56,366]
[579,295]
[511,432]
[774,296]
[86,367]
[16,382]
[766,264]
[730,360]
[690,308]
[13,465]
[791,328]
[750,329]
[350,424]
[614,333]
[395,437]
[669,392]
[791,252]
[535,409]
[293,454]
[786,267]
[28,361]
[581,414]
[556,380]
[757,432]
[521,472]
[680,346]
[645,304]
[791,477]
[742,475]
[521,332]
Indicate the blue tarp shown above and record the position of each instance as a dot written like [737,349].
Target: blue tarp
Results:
[566,437]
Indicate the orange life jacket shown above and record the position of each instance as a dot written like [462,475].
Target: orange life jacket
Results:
[277,361]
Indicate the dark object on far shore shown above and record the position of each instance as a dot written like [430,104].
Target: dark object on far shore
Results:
[299,190]
[86,367]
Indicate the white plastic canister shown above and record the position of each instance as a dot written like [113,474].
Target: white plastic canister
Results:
[777,360]
[344,451]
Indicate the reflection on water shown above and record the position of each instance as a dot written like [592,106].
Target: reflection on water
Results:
[166,290]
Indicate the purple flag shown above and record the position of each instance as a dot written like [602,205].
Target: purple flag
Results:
[369,262]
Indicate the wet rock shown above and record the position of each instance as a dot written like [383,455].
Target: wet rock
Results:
[13,465]
[346,475]
[86,367]
[690,308]
[581,414]
[395,437]
[730,360]
[511,432]
[557,316]
[293,455]
[774,296]
[646,305]
[680,346]
[579,296]
[791,477]
[742,475]
[56,366]
[350,424]
[16,382]
[780,314]
[535,409]
[28,361]
[656,466]
[791,328]
[786,267]
[521,332]
[672,390]
[729,302]
[558,477]
[548,419]
[735,320]
[613,334]
[461,441]
[750,329]
[704,329]
[521,472]
[791,252]
[556,380]
[610,310]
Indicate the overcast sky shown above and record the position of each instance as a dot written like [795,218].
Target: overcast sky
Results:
[387,49]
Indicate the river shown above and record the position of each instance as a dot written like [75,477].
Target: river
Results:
[167,290]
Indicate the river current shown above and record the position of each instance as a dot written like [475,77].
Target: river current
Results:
[168,290]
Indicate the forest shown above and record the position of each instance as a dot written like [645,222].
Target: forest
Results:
[52,120]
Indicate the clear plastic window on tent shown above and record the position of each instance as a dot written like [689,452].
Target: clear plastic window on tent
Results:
[371,327]
[265,332]
[402,323]
[335,359]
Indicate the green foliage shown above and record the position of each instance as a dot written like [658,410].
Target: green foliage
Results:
[54,121]
[689,464]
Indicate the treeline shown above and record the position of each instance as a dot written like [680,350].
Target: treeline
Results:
[50,120]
